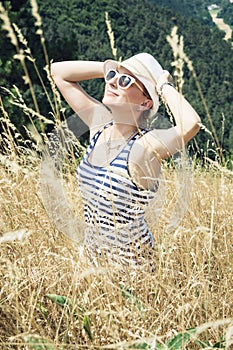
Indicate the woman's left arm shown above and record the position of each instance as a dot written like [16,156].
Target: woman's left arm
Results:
[162,143]
[186,118]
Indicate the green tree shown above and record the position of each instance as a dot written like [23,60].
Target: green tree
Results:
[76,29]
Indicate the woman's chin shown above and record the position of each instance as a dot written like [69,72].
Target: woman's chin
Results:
[113,103]
[108,101]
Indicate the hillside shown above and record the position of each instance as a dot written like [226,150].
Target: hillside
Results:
[77,30]
[226,11]
[198,9]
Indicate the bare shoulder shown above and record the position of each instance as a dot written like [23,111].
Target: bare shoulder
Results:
[148,151]
[144,163]
[161,143]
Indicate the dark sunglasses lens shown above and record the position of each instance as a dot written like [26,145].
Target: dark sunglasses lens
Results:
[110,75]
[124,81]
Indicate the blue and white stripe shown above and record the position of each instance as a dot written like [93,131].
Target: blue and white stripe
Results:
[114,207]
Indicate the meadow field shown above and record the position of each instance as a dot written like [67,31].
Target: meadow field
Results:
[53,298]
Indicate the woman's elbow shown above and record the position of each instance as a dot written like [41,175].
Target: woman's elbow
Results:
[197,124]
[56,74]
[54,69]
[197,128]
[192,132]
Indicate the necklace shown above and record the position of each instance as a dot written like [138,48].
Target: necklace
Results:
[119,145]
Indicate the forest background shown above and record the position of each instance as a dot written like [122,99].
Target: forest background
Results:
[77,30]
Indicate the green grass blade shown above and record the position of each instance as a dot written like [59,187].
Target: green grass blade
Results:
[140,346]
[133,299]
[79,311]
[59,299]
[147,346]
[87,326]
[38,343]
[180,339]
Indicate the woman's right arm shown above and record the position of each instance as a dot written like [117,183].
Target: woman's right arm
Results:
[67,74]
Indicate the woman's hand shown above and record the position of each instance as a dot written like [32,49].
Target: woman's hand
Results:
[165,78]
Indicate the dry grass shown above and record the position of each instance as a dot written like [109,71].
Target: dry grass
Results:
[191,285]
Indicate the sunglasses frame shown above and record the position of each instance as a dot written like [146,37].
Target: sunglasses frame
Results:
[119,75]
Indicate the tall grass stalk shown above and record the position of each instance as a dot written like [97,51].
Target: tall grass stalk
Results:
[28,55]
[111,36]
[38,24]
[20,55]
[177,46]
[210,260]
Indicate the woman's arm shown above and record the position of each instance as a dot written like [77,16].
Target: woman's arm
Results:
[165,142]
[67,74]
[186,118]
[158,144]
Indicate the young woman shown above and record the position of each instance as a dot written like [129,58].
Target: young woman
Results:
[118,175]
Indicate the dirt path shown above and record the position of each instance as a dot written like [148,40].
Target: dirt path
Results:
[221,24]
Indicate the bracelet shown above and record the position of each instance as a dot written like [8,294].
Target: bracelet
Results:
[160,89]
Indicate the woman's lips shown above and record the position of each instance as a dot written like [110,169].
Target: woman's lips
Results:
[112,93]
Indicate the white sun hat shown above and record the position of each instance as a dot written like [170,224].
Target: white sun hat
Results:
[145,68]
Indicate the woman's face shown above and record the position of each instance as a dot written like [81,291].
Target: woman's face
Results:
[114,95]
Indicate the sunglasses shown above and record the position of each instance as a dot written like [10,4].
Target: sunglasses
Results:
[124,80]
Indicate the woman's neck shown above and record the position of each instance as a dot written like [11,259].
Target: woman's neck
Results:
[126,116]
[122,129]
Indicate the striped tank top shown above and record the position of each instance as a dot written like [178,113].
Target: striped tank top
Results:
[114,207]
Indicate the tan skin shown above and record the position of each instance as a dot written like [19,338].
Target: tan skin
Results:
[126,107]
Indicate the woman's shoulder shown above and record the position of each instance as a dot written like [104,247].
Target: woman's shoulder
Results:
[159,143]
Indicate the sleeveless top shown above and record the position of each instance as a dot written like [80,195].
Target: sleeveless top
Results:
[114,207]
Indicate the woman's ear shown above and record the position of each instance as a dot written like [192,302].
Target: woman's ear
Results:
[146,104]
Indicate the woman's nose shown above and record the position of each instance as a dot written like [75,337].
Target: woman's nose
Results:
[113,81]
